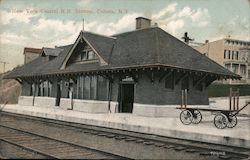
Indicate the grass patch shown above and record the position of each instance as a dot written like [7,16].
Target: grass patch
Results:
[222,90]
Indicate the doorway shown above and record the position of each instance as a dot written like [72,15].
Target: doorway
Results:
[126,97]
[58,94]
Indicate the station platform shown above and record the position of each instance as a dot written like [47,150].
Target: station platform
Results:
[163,126]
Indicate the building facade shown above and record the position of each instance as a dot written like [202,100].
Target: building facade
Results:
[230,53]
[141,72]
[30,54]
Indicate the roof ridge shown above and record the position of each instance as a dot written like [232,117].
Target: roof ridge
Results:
[99,34]
[63,46]
[151,27]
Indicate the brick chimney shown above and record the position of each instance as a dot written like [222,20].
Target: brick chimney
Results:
[142,22]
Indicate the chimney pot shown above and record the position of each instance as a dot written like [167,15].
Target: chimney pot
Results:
[142,22]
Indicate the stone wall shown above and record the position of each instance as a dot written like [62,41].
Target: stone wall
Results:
[25,100]
[88,106]
[45,101]
[160,110]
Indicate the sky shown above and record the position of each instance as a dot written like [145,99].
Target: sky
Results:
[50,23]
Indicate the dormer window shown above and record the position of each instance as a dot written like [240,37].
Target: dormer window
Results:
[88,54]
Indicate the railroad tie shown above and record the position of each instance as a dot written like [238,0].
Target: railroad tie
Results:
[139,141]
[159,144]
[179,148]
[168,146]
[120,137]
[190,150]
[110,136]
[130,139]
[148,143]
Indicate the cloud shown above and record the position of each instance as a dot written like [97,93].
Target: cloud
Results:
[165,11]
[12,38]
[237,28]
[173,20]
[127,22]
[185,12]
[51,32]
[46,32]
[174,26]
[200,17]
[82,3]
[55,30]
[23,16]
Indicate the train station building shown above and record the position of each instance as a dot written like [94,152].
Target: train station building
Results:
[142,72]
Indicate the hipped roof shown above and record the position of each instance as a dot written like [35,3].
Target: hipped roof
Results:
[145,47]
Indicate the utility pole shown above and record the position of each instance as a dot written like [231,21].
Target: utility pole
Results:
[186,38]
[4,63]
[83,24]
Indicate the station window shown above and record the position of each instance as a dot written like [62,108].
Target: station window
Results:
[44,88]
[169,82]
[243,69]
[92,87]
[225,51]
[88,54]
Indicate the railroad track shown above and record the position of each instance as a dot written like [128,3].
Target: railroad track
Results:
[48,147]
[17,151]
[202,149]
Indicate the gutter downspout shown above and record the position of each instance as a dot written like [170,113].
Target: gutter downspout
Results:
[109,95]
[33,101]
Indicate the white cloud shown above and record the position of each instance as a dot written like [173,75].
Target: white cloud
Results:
[165,11]
[23,16]
[200,17]
[237,28]
[185,12]
[46,32]
[127,22]
[54,30]
[173,21]
[51,32]
[174,26]
[82,3]
[12,38]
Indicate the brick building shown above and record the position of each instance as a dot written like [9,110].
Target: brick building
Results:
[141,72]
[230,53]
[30,54]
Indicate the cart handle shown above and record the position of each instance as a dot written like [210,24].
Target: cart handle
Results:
[241,108]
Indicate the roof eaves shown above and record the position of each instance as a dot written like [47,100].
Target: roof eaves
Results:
[63,65]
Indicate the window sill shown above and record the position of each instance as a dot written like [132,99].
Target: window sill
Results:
[88,61]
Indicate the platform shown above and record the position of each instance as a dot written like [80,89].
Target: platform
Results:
[164,126]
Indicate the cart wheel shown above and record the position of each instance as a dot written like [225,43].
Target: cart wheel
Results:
[232,121]
[186,117]
[197,117]
[220,121]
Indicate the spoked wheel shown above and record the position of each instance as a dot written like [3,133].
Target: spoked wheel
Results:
[186,117]
[220,121]
[232,121]
[197,117]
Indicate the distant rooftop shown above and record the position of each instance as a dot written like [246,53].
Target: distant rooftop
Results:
[33,50]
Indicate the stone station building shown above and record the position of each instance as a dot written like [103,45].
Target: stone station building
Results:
[141,72]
